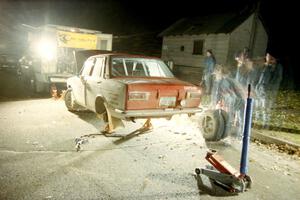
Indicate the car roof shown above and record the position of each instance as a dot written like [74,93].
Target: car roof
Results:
[125,55]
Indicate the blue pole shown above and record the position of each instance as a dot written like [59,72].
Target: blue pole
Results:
[246,134]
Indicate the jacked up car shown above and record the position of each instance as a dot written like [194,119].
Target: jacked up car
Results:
[128,87]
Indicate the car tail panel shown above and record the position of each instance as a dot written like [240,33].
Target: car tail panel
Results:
[162,95]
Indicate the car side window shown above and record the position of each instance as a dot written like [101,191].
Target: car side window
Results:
[88,67]
[118,67]
[138,69]
[99,67]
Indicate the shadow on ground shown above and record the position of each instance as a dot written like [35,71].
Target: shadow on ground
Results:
[90,118]
[209,187]
[98,123]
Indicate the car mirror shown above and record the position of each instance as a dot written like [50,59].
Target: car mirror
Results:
[170,65]
[82,78]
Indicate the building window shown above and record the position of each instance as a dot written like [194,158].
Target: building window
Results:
[103,45]
[182,48]
[198,47]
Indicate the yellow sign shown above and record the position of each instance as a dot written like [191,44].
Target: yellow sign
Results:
[76,40]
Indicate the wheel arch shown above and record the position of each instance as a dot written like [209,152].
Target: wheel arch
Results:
[100,104]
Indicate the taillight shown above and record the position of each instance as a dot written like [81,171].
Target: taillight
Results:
[183,102]
[138,96]
[193,94]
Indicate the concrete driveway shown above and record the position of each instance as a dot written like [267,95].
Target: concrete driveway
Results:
[38,159]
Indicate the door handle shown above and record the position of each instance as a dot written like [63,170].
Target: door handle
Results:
[98,82]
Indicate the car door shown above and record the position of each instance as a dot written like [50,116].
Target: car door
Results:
[93,82]
[79,90]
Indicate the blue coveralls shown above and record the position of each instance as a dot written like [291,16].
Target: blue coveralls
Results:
[266,91]
[209,67]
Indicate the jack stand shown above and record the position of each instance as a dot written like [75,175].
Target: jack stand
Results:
[147,125]
[112,122]
[224,175]
[109,128]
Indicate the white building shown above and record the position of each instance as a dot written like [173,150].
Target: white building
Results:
[186,41]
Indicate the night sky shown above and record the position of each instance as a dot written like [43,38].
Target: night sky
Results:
[132,17]
[140,17]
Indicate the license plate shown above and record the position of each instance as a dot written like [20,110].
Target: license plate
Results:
[167,101]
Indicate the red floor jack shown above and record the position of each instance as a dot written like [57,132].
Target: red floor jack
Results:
[221,172]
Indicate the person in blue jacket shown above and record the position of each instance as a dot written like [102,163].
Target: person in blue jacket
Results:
[267,88]
[242,58]
[209,67]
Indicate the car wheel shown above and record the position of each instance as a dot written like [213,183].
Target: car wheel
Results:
[72,106]
[227,126]
[68,100]
[212,125]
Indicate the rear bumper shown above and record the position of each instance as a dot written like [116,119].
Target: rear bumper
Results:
[59,78]
[159,113]
[60,82]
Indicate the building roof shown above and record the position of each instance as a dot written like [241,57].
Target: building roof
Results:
[210,24]
[58,27]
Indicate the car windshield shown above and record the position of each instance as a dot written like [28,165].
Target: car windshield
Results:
[139,67]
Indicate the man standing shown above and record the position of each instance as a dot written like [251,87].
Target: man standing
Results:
[267,88]
[209,67]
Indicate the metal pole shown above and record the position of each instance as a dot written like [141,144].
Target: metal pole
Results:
[246,134]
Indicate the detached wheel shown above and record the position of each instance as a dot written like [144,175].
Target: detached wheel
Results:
[212,125]
[227,126]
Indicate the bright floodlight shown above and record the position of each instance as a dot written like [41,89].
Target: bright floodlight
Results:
[46,49]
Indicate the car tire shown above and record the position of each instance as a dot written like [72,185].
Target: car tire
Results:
[212,125]
[68,102]
[227,126]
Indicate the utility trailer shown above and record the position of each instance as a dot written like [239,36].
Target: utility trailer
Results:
[50,53]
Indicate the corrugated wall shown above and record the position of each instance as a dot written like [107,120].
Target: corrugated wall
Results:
[261,41]
[188,66]
[239,39]
[171,49]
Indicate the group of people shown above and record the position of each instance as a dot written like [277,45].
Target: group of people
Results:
[228,88]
